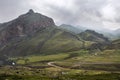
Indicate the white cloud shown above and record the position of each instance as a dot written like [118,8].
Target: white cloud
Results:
[94,14]
[109,12]
[111,25]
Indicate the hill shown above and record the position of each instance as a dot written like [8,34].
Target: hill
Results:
[47,41]
[90,35]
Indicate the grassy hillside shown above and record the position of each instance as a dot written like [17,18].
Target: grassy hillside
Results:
[47,41]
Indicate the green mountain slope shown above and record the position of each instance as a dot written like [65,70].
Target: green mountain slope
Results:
[50,40]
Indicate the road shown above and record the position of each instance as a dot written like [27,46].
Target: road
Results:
[53,65]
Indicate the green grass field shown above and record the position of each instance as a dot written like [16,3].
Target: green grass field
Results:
[76,65]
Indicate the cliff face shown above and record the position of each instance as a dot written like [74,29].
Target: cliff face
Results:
[25,25]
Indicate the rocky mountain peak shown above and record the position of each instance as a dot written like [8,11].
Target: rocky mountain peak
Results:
[31,11]
[26,24]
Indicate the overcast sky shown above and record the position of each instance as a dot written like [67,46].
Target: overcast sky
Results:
[99,14]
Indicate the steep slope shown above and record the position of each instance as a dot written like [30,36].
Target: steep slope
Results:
[90,35]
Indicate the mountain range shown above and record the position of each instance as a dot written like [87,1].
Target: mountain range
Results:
[34,33]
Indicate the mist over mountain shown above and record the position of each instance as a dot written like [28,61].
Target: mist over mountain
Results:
[117,31]
[111,34]
[71,28]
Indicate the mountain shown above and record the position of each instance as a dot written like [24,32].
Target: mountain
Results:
[34,33]
[70,28]
[90,35]
[25,25]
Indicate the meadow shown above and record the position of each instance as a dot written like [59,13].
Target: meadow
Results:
[76,65]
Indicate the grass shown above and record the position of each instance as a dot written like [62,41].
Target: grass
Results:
[108,56]
[63,77]
[105,56]
[48,57]
[71,66]
[54,41]
[41,58]
[108,60]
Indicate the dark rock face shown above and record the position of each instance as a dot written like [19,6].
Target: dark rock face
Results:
[25,25]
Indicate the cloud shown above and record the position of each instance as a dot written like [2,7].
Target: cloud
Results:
[109,12]
[94,14]
[108,25]
[10,9]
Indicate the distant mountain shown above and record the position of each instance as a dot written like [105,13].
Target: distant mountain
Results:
[70,28]
[117,32]
[113,35]
[90,35]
